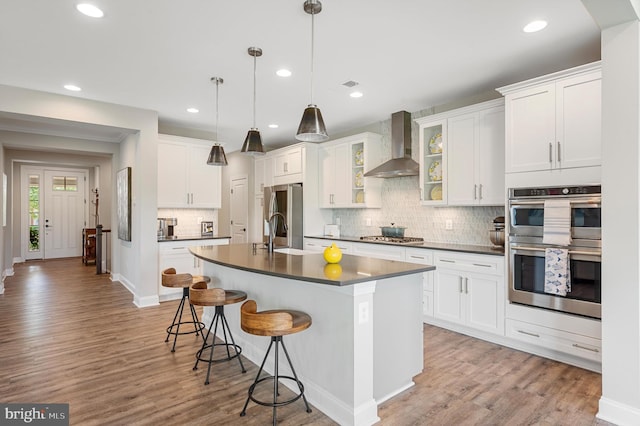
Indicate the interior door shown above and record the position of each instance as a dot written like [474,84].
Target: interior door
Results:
[64,213]
[239,211]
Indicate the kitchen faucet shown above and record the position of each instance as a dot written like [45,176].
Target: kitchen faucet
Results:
[272,227]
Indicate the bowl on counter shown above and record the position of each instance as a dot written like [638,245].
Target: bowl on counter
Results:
[497,237]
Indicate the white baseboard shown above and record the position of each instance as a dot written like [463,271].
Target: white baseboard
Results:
[1,287]
[146,301]
[18,260]
[618,413]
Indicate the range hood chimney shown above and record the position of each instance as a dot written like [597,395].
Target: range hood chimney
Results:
[401,163]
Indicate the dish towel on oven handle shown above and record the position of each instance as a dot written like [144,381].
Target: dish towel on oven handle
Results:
[557,222]
[557,271]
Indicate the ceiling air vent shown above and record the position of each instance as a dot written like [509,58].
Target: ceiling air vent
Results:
[350,83]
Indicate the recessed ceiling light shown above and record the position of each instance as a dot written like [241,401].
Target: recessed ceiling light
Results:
[72,87]
[283,72]
[273,126]
[90,10]
[534,26]
[193,110]
[356,94]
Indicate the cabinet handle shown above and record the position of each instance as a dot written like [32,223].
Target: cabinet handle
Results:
[187,198]
[482,265]
[416,257]
[460,284]
[558,153]
[575,345]
[529,334]
[550,152]
[480,192]
[178,248]
[447,261]
[475,191]
[286,167]
[466,286]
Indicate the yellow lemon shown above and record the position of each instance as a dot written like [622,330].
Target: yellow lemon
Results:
[332,271]
[332,254]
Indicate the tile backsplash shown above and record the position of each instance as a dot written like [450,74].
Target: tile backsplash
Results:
[189,220]
[401,205]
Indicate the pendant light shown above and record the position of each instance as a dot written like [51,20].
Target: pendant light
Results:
[253,141]
[216,155]
[312,127]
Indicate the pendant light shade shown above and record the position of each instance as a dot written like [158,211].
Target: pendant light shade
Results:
[216,155]
[312,128]
[253,142]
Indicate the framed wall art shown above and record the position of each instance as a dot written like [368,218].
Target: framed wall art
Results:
[123,194]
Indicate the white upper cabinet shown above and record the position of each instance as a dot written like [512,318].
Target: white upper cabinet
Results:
[185,180]
[263,172]
[554,122]
[475,164]
[288,166]
[343,163]
[462,156]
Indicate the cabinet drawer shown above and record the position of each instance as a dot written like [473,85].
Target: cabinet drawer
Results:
[557,340]
[493,265]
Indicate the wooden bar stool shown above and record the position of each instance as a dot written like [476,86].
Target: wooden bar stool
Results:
[276,324]
[200,295]
[171,279]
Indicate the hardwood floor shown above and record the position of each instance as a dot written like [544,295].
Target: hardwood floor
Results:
[70,336]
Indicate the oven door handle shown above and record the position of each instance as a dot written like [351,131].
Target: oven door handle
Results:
[541,203]
[588,253]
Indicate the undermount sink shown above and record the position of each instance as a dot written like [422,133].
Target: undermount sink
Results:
[295,251]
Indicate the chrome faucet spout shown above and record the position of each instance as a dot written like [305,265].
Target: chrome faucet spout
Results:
[272,226]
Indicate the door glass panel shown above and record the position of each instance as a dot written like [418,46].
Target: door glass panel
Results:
[65,183]
[34,213]
[585,277]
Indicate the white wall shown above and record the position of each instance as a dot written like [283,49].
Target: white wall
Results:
[141,151]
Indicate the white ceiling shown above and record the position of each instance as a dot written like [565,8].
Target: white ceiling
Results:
[406,55]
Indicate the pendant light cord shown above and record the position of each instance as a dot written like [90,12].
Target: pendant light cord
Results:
[312,48]
[217,83]
[254,91]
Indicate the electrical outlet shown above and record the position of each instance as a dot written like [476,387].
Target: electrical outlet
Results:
[367,221]
[363,312]
[448,224]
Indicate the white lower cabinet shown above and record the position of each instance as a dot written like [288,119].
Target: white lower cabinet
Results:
[316,244]
[379,251]
[469,290]
[175,254]
[557,340]
[424,257]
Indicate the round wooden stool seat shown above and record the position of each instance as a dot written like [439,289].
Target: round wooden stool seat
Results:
[275,323]
[174,280]
[201,295]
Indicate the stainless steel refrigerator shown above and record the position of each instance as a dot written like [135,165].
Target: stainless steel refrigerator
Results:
[285,199]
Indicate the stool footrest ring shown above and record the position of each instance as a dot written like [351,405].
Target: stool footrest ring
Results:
[277,403]
[237,350]
[200,327]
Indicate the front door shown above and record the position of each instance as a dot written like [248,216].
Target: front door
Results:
[239,211]
[64,213]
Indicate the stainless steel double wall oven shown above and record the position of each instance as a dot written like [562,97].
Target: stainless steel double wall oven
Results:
[526,251]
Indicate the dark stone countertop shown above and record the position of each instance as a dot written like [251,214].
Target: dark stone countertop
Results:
[306,267]
[465,248]
[192,238]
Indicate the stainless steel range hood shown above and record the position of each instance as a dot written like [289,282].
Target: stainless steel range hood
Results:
[401,163]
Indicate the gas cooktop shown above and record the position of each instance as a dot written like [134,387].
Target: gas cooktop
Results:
[395,240]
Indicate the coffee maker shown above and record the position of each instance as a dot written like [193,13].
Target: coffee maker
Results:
[166,227]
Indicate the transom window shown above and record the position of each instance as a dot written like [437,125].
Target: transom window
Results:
[65,183]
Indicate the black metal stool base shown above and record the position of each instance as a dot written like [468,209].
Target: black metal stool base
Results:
[226,332]
[275,380]
[197,325]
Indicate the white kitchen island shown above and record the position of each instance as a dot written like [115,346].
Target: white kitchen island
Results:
[365,343]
